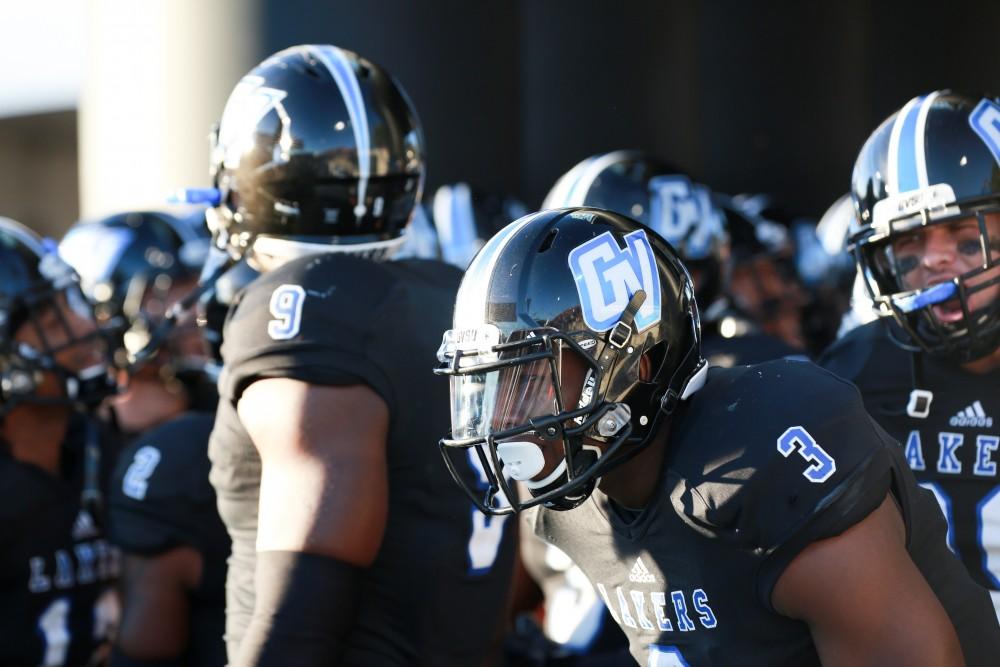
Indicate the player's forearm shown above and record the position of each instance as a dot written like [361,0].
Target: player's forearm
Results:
[304,610]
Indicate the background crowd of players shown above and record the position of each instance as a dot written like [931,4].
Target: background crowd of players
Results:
[114,549]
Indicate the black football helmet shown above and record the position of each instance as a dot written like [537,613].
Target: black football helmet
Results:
[128,263]
[466,217]
[35,283]
[661,197]
[318,150]
[583,282]
[930,165]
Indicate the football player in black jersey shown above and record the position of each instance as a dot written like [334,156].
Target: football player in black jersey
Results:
[133,266]
[765,300]
[163,514]
[350,544]
[926,189]
[57,605]
[753,515]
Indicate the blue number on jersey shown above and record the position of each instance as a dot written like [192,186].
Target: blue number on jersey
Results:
[798,439]
[286,307]
[487,531]
[665,656]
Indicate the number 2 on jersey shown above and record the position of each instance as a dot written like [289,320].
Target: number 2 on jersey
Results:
[136,480]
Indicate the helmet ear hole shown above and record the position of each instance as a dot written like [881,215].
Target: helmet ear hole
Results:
[547,242]
[651,363]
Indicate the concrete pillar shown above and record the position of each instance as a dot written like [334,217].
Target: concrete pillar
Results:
[157,75]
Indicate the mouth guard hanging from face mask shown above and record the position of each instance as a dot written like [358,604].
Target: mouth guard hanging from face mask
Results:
[522,460]
[931,295]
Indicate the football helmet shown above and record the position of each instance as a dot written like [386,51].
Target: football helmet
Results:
[465,218]
[131,266]
[318,150]
[661,197]
[37,286]
[762,285]
[933,169]
[583,283]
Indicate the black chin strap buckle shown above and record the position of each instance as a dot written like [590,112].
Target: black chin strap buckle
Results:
[621,333]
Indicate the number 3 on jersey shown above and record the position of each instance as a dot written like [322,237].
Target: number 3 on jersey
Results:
[286,307]
[798,439]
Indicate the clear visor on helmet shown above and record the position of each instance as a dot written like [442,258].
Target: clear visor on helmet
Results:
[516,387]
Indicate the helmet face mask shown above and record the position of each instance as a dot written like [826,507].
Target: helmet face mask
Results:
[521,390]
[940,279]
[134,266]
[52,351]
[926,188]
[575,332]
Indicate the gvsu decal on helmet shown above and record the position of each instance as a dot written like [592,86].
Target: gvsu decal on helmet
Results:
[607,276]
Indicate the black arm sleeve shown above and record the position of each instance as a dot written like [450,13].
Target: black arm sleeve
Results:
[305,609]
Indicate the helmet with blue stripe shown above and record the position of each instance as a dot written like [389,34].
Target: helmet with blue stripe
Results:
[318,150]
[926,190]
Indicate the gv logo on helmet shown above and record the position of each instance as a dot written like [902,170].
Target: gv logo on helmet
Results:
[985,121]
[682,213]
[607,276]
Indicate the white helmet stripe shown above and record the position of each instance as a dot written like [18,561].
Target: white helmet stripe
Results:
[562,193]
[592,169]
[901,146]
[473,295]
[921,150]
[342,71]
[23,234]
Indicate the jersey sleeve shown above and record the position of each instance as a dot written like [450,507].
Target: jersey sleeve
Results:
[813,465]
[160,494]
[317,319]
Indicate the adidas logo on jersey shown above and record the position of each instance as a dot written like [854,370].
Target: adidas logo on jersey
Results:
[84,526]
[640,574]
[972,416]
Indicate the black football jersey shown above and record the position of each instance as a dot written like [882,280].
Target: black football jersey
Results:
[761,462]
[436,593]
[160,499]
[943,417]
[57,569]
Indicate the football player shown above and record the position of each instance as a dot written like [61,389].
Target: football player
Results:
[133,266]
[350,544]
[926,190]
[57,604]
[753,515]
[163,514]
[764,291]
